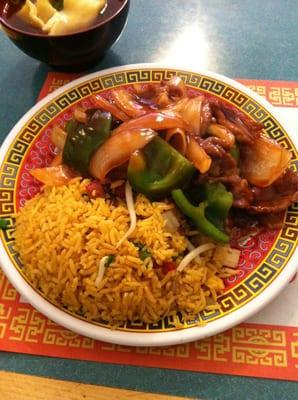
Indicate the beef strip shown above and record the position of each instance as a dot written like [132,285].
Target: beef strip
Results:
[244,129]
[213,146]
[272,221]
[276,197]
[206,117]
[273,199]
[239,187]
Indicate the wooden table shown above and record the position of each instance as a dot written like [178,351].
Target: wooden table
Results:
[24,387]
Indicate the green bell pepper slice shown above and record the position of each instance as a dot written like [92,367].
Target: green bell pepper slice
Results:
[84,139]
[218,198]
[158,168]
[200,215]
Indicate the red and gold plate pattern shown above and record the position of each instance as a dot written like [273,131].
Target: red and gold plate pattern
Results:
[264,257]
[269,351]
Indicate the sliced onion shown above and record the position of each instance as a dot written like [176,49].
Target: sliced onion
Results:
[54,176]
[193,254]
[177,139]
[162,100]
[176,87]
[227,256]
[171,222]
[264,161]
[197,155]
[154,120]
[145,90]
[192,113]
[58,137]
[222,133]
[105,105]
[125,102]
[80,115]
[117,150]
[177,106]
[190,110]
[132,213]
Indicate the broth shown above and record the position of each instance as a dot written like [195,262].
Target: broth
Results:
[11,17]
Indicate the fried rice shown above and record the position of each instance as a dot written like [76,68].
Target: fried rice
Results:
[61,235]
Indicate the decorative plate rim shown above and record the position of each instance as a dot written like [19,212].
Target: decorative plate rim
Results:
[145,338]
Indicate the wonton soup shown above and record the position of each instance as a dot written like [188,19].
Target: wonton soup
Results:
[54,17]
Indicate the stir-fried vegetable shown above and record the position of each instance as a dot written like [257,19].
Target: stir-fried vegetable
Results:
[54,176]
[219,202]
[105,105]
[198,156]
[127,103]
[222,133]
[80,115]
[176,87]
[168,142]
[177,138]
[198,217]
[171,222]
[83,140]
[263,161]
[58,137]
[227,256]
[191,113]
[154,120]
[117,150]
[158,169]
[57,160]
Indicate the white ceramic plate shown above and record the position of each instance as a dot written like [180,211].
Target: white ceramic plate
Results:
[267,264]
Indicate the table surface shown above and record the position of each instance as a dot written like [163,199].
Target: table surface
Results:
[15,386]
[256,40]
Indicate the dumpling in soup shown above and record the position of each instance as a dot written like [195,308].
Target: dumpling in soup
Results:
[36,14]
[75,15]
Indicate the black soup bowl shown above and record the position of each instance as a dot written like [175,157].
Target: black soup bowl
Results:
[73,51]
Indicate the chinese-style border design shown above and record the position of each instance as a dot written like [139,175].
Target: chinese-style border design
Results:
[278,93]
[238,295]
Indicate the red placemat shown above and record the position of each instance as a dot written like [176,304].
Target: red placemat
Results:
[262,349]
